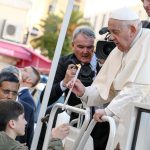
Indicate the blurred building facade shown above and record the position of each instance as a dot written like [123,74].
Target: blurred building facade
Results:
[58,6]
[14,26]
[97,12]
[13,19]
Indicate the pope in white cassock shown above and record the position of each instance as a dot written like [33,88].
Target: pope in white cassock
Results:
[125,76]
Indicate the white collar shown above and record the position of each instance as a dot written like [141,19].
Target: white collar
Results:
[22,88]
[93,62]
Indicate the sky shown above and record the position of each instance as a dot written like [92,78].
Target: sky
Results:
[94,6]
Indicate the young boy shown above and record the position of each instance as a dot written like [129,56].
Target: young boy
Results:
[12,124]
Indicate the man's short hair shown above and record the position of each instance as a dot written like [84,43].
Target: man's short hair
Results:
[8,76]
[9,110]
[86,30]
[11,69]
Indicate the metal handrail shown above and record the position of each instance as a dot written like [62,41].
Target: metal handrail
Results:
[90,128]
[86,121]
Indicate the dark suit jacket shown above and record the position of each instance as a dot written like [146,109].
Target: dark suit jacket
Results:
[26,96]
[145,24]
[29,131]
[60,74]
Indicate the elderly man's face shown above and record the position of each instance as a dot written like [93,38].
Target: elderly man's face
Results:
[27,74]
[9,90]
[121,34]
[83,48]
[146,5]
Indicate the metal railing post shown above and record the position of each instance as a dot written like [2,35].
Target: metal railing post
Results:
[52,73]
[90,128]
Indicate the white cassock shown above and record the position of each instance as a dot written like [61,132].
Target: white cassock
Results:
[124,78]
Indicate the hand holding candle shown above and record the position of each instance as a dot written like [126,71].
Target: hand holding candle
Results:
[74,79]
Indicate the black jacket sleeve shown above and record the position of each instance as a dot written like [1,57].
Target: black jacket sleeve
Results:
[56,91]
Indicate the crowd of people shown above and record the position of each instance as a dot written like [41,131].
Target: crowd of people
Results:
[123,79]
[20,111]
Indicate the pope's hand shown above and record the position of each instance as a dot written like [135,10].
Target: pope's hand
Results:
[98,115]
[77,87]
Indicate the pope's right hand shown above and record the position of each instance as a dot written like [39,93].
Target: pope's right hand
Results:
[77,87]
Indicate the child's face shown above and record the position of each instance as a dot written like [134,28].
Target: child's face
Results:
[20,124]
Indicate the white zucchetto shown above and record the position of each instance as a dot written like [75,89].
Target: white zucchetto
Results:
[124,13]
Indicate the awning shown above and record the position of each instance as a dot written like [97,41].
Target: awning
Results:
[26,56]
[38,61]
[14,50]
